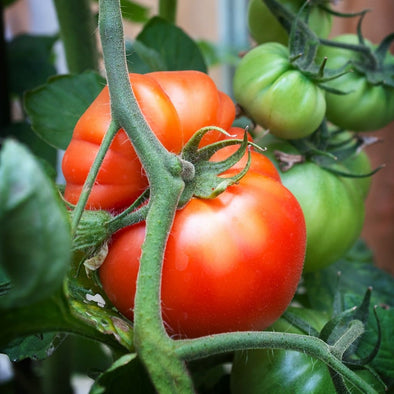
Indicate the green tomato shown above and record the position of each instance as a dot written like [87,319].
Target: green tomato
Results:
[276,95]
[366,106]
[264,27]
[286,371]
[333,208]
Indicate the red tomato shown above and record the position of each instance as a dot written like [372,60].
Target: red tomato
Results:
[231,263]
[175,105]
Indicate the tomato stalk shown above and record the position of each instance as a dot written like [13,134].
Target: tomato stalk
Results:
[193,349]
[167,10]
[77,30]
[78,211]
[164,171]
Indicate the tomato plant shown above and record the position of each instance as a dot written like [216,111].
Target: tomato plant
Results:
[368,103]
[333,206]
[276,95]
[225,266]
[259,17]
[174,109]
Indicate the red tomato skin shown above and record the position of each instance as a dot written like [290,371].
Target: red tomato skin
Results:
[231,263]
[121,178]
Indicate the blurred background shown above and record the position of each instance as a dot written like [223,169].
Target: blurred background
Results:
[223,23]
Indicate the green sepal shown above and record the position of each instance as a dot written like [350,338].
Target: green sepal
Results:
[206,182]
[92,231]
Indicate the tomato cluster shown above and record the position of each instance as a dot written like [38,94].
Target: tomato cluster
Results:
[232,262]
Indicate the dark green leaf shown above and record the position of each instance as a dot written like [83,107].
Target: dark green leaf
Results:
[37,347]
[55,107]
[24,133]
[163,46]
[34,228]
[383,363]
[30,61]
[357,273]
[126,375]
[134,63]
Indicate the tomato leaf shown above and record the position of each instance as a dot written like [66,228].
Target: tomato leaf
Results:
[54,108]
[162,46]
[34,227]
[30,61]
[87,302]
[24,133]
[357,273]
[126,375]
[37,347]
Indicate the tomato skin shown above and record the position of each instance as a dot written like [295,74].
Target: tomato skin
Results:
[231,263]
[366,107]
[162,98]
[333,207]
[286,371]
[264,27]
[277,96]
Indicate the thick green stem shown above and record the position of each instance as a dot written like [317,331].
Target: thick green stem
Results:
[164,171]
[87,187]
[77,31]
[167,10]
[222,343]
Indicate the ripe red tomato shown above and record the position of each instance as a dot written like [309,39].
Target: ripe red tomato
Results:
[175,104]
[231,263]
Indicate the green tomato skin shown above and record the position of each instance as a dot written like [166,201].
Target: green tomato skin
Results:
[366,107]
[333,208]
[264,27]
[276,96]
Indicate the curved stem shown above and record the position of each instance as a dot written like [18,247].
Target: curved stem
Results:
[77,31]
[87,187]
[221,343]
[167,10]
[164,171]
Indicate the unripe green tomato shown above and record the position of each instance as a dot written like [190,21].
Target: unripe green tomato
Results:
[264,27]
[276,95]
[333,208]
[366,106]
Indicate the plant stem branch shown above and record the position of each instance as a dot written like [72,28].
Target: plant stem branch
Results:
[77,31]
[222,343]
[164,171]
[87,187]
[167,10]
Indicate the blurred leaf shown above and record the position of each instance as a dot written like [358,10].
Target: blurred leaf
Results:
[34,228]
[24,133]
[30,61]
[55,107]
[126,375]
[357,273]
[134,11]
[37,347]
[216,54]
[163,46]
